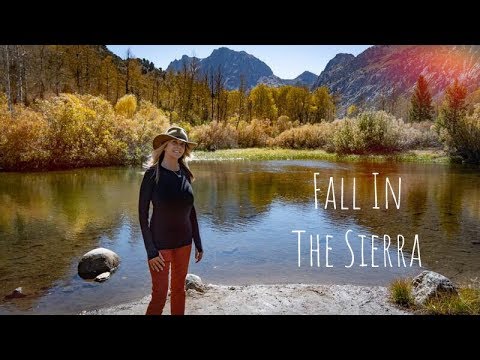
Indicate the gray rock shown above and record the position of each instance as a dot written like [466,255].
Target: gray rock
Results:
[430,284]
[103,277]
[232,64]
[194,282]
[96,262]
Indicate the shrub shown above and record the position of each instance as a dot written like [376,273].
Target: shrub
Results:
[126,105]
[371,132]
[254,134]
[215,135]
[22,139]
[310,136]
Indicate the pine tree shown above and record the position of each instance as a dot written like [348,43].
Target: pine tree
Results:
[422,108]
[454,107]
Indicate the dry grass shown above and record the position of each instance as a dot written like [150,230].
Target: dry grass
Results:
[466,303]
[401,292]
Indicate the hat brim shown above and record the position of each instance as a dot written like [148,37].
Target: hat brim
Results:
[160,139]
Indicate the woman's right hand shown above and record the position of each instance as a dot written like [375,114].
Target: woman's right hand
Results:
[157,263]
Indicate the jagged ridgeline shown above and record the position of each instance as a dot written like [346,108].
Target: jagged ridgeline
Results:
[235,65]
[384,76]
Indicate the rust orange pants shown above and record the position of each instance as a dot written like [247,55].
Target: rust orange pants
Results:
[178,259]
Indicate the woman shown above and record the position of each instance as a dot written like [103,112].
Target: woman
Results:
[168,237]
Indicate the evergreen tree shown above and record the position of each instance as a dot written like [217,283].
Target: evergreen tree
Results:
[422,108]
[460,133]
[454,107]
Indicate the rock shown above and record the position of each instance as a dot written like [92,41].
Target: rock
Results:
[96,262]
[16,294]
[103,277]
[194,282]
[430,284]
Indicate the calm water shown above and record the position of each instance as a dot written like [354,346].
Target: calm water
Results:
[247,211]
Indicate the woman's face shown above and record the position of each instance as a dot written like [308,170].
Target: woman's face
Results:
[175,149]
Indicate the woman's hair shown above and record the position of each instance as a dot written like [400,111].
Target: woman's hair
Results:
[157,157]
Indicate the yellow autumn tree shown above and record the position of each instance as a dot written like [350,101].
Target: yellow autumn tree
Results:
[126,106]
[263,104]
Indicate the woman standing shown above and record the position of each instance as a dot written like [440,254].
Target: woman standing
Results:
[168,238]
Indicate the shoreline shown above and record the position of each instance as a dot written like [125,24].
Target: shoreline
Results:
[278,299]
[429,156]
[423,156]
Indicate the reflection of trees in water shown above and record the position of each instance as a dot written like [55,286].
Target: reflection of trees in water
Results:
[440,203]
[236,193]
[48,219]
[432,202]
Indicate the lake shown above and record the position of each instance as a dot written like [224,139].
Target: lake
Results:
[247,211]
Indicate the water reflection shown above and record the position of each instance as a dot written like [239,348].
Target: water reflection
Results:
[247,211]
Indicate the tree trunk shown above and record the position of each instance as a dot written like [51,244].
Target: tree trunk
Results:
[7,74]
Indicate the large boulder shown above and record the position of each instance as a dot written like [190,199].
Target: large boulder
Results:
[96,262]
[430,284]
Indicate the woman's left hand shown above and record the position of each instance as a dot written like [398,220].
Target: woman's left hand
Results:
[198,255]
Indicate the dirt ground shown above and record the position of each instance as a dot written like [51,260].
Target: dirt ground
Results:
[282,299]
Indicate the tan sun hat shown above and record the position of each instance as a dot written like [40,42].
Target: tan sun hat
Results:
[174,132]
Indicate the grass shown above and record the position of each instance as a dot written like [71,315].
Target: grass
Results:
[401,292]
[467,302]
[416,156]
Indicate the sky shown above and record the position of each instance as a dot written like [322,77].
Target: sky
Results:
[286,61]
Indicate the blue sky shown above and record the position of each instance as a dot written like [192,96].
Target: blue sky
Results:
[286,61]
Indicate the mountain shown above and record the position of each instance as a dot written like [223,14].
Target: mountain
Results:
[177,65]
[304,79]
[233,64]
[392,70]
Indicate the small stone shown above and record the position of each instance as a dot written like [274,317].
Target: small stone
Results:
[103,277]
[16,294]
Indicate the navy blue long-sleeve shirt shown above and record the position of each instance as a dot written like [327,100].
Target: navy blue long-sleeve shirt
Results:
[174,220]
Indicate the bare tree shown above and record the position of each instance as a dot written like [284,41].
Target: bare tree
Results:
[86,52]
[242,89]
[218,88]
[58,64]
[393,100]
[211,86]
[41,59]
[78,67]
[7,78]
[193,69]
[127,79]
[117,86]
[19,55]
